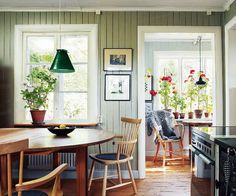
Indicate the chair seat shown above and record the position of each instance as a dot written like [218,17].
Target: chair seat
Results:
[31,193]
[110,156]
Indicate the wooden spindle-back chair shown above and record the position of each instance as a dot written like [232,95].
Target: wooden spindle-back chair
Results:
[19,147]
[123,154]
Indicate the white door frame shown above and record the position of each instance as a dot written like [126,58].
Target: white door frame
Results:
[218,93]
[228,45]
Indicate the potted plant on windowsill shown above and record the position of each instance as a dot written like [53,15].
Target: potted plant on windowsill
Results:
[190,92]
[39,83]
[201,90]
[175,102]
[207,100]
[182,107]
[164,91]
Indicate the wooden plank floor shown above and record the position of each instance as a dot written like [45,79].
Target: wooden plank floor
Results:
[173,180]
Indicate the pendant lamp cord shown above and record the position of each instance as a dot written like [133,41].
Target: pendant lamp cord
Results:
[200,52]
[59,22]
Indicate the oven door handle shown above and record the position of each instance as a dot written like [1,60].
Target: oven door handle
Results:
[201,156]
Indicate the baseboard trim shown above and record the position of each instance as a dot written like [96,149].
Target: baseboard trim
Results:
[71,174]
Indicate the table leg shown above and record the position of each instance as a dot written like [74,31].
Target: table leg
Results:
[81,171]
[190,139]
[56,159]
[3,170]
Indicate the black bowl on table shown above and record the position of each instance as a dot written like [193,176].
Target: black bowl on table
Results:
[61,131]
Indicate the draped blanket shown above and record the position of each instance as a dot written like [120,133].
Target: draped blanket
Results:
[163,121]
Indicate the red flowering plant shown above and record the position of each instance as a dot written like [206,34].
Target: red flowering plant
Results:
[165,90]
[190,90]
[194,92]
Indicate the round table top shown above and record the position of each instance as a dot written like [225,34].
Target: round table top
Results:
[42,139]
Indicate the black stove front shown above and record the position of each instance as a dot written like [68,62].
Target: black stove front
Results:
[227,166]
[202,165]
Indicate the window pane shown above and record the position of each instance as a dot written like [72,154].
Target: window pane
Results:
[169,67]
[76,81]
[77,47]
[187,65]
[75,105]
[40,49]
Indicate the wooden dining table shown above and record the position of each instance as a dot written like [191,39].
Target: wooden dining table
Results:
[40,139]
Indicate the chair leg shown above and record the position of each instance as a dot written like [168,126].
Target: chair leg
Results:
[170,150]
[157,150]
[104,187]
[119,173]
[164,155]
[131,177]
[91,175]
[182,151]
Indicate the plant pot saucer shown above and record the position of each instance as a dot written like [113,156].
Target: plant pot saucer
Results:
[38,123]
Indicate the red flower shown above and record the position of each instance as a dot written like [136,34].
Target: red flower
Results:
[192,71]
[153,92]
[166,78]
[203,75]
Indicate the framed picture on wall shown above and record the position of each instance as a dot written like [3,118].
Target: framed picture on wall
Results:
[118,59]
[117,87]
[148,87]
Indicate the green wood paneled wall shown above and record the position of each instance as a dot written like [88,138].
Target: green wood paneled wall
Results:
[116,29]
[228,15]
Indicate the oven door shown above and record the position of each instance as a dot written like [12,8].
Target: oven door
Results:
[202,178]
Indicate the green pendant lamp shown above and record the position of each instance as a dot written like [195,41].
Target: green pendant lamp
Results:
[200,81]
[62,63]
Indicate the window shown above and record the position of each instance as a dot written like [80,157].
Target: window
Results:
[75,96]
[179,64]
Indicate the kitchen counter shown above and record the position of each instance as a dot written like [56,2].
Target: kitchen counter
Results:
[215,132]
[226,142]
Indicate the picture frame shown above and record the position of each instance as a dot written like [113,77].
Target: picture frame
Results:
[117,87]
[148,87]
[117,59]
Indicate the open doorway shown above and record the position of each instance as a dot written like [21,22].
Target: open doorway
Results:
[213,35]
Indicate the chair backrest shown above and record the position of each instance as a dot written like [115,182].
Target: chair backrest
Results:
[13,146]
[8,148]
[130,131]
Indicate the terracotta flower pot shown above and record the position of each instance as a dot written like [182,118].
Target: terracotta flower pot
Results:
[198,113]
[176,115]
[182,115]
[206,114]
[190,115]
[38,116]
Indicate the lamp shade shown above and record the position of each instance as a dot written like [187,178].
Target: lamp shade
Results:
[62,63]
[200,82]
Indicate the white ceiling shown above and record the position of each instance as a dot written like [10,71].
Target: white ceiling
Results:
[116,5]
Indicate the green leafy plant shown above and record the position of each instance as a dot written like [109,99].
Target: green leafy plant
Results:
[39,83]
[207,100]
[164,91]
[190,90]
[175,100]
[182,104]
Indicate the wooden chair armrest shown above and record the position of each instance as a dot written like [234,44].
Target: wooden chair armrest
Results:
[43,180]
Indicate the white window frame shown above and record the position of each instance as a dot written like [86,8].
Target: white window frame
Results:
[179,55]
[92,31]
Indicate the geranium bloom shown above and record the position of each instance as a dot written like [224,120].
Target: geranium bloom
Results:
[153,92]
[192,71]
[203,75]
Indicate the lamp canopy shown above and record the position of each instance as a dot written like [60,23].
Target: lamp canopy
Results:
[62,63]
